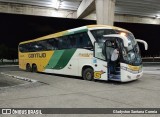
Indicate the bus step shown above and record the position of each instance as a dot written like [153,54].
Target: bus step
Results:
[117,68]
[112,76]
[116,73]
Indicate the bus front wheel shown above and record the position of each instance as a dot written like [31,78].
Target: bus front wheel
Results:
[28,67]
[34,68]
[88,74]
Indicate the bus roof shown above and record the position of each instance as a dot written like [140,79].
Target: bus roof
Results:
[74,31]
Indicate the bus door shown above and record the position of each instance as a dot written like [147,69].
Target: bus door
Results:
[99,62]
[113,60]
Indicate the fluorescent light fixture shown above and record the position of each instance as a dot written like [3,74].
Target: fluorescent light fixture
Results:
[157,16]
[55,3]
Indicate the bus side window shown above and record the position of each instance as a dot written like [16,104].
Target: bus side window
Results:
[63,42]
[56,43]
[51,44]
[88,41]
[31,47]
[23,48]
[41,46]
[98,34]
[72,41]
[84,41]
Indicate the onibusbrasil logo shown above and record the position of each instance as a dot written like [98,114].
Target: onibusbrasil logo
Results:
[21,111]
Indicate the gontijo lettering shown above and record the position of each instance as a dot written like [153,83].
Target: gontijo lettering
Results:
[37,55]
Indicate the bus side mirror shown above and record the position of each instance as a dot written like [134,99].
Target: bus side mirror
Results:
[125,41]
[144,42]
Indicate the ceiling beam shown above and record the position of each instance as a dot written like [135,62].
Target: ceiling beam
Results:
[86,7]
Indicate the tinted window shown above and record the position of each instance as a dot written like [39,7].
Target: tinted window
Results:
[39,46]
[23,48]
[79,40]
[72,41]
[31,47]
[63,42]
[53,44]
[44,45]
[83,41]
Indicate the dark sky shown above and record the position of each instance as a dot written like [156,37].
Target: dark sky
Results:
[16,28]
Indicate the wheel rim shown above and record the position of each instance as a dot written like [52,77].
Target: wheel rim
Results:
[28,68]
[88,75]
[34,68]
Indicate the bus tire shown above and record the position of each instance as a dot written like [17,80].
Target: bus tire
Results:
[28,67]
[34,68]
[88,74]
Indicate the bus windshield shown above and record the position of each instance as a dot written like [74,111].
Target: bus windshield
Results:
[130,54]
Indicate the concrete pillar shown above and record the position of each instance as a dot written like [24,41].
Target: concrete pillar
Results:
[105,11]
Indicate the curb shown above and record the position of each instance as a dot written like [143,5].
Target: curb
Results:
[9,66]
[19,77]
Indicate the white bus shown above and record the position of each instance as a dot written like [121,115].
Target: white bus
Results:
[84,52]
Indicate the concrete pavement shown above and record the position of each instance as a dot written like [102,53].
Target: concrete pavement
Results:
[52,91]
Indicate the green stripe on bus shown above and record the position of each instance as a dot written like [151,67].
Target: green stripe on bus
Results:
[65,58]
[54,59]
[80,31]
[74,32]
[69,33]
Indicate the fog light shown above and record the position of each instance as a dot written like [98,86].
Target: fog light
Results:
[138,76]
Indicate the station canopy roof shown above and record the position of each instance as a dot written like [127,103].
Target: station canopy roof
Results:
[149,8]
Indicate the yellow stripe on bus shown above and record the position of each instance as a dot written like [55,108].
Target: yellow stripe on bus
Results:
[106,26]
[134,68]
[41,59]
